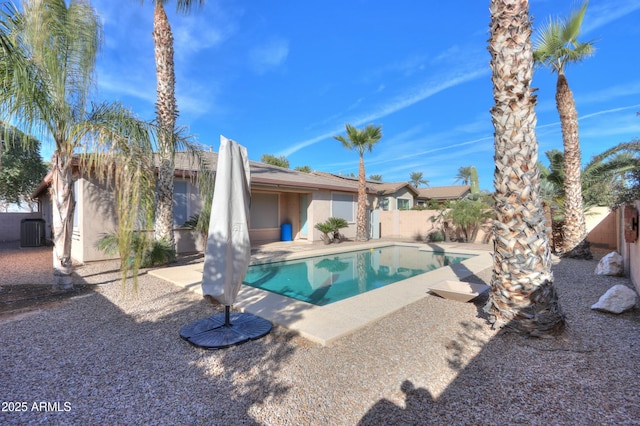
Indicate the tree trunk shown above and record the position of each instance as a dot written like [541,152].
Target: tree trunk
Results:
[63,206]
[575,230]
[167,113]
[361,218]
[522,293]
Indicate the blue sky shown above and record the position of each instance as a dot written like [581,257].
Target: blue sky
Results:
[283,77]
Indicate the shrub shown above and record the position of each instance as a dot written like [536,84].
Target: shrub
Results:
[154,253]
[331,229]
[436,236]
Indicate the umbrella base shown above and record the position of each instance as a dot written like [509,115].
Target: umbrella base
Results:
[215,332]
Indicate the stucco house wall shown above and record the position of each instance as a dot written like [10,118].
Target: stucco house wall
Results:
[94,217]
[321,209]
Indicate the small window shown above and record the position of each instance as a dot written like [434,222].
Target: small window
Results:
[180,198]
[403,204]
[264,211]
[343,206]
[384,203]
[76,188]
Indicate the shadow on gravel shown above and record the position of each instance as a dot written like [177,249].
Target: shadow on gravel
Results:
[588,375]
[103,359]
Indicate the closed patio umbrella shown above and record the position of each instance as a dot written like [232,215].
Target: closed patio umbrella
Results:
[227,255]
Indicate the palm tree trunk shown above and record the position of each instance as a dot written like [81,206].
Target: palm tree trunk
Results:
[63,207]
[361,219]
[522,293]
[167,113]
[575,230]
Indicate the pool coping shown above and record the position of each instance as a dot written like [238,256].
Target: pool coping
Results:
[324,324]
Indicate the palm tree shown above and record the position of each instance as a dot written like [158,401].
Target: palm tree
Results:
[361,140]
[48,60]
[416,179]
[522,291]
[601,178]
[464,175]
[167,112]
[557,46]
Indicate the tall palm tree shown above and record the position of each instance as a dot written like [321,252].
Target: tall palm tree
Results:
[415,178]
[468,175]
[48,59]
[601,177]
[464,175]
[522,292]
[557,46]
[361,141]
[167,113]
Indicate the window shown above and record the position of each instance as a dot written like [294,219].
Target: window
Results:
[403,204]
[180,197]
[343,206]
[384,203]
[264,211]
[76,187]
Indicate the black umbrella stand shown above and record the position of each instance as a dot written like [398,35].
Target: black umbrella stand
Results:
[224,330]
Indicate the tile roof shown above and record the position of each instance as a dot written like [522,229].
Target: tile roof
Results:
[266,174]
[444,192]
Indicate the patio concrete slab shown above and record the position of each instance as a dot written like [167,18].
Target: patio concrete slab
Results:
[324,324]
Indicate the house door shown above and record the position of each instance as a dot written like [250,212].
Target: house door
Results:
[304,200]
[374,224]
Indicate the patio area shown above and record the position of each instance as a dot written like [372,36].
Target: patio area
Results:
[325,324]
[105,357]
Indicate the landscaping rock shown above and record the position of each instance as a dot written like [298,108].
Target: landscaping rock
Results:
[617,299]
[610,264]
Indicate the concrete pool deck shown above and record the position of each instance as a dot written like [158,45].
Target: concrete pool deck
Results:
[324,324]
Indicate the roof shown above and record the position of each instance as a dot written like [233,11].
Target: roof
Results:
[392,187]
[373,186]
[267,174]
[444,192]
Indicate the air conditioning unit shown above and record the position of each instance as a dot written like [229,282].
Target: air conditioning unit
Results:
[32,232]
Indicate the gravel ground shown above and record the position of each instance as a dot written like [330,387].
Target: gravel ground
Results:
[97,357]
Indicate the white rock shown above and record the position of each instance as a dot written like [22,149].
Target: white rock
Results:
[611,264]
[617,299]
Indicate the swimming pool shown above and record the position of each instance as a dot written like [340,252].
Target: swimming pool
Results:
[322,280]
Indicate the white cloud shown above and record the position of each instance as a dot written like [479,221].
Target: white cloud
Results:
[269,55]
[410,97]
[607,12]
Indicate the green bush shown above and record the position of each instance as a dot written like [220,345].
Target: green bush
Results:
[436,237]
[331,229]
[154,253]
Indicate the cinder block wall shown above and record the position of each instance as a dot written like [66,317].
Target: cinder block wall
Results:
[10,224]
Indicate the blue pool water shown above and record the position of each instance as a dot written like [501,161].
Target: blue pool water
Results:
[322,280]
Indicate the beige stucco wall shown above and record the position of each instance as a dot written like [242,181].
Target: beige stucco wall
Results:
[417,225]
[95,217]
[601,227]
[320,210]
[414,224]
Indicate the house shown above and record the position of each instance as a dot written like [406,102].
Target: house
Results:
[279,197]
[382,195]
[441,194]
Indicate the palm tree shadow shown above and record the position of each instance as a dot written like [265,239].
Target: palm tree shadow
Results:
[417,400]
